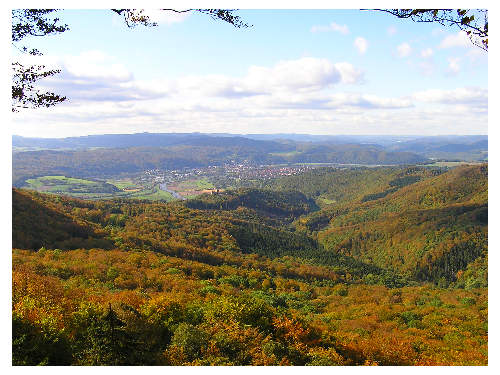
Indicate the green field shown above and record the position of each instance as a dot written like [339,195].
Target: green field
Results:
[123,184]
[286,154]
[88,189]
[69,185]
[200,184]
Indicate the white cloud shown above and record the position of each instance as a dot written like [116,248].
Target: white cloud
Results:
[171,115]
[304,74]
[96,76]
[214,86]
[471,96]
[95,65]
[302,78]
[305,112]
[368,101]
[459,39]
[404,50]
[426,53]
[343,29]
[337,101]
[361,44]
[349,73]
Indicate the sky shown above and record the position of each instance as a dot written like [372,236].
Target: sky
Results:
[294,71]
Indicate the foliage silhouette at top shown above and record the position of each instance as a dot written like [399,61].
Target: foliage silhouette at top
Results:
[472,21]
[32,23]
[39,23]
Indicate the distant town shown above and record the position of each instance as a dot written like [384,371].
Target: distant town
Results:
[225,175]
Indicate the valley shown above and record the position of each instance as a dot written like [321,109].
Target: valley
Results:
[267,265]
[178,166]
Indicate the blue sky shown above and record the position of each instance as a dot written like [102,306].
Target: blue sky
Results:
[302,71]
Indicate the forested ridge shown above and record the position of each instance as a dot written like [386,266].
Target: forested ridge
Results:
[430,229]
[268,203]
[104,162]
[293,146]
[363,266]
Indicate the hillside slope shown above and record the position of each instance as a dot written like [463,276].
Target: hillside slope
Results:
[37,222]
[234,235]
[430,229]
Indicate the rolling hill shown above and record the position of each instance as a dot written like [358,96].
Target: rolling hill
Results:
[429,229]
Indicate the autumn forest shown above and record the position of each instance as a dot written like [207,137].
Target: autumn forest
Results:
[332,266]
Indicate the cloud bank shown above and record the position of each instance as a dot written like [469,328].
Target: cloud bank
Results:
[309,95]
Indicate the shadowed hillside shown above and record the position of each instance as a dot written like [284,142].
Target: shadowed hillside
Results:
[37,223]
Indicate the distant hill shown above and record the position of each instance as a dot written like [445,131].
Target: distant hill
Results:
[74,157]
[273,148]
[411,143]
[350,154]
[382,140]
[454,147]
[104,162]
[447,147]
[344,185]
[147,140]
